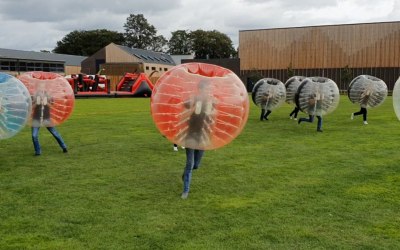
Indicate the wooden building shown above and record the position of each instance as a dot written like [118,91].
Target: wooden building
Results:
[339,52]
[116,60]
[15,62]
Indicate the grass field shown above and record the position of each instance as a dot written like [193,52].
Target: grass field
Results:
[279,185]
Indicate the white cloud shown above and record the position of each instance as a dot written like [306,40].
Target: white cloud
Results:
[37,24]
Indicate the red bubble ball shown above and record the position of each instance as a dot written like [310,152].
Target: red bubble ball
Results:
[52,98]
[200,106]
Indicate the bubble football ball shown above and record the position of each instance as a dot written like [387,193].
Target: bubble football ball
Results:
[368,91]
[291,85]
[52,98]
[15,106]
[396,98]
[200,106]
[268,93]
[317,96]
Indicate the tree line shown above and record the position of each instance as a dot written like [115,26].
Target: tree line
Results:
[142,35]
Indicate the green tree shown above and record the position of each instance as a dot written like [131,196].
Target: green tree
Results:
[180,43]
[211,44]
[87,42]
[290,71]
[346,75]
[159,44]
[142,35]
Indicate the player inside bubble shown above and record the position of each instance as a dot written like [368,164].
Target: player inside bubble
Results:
[291,85]
[317,96]
[369,92]
[200,106]
[15,106]
[52,97]
[53,101]
[268,94]
[199,116]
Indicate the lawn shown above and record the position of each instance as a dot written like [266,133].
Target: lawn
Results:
[278,185]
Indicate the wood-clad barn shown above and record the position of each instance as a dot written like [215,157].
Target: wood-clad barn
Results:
[338,52]
[116,60]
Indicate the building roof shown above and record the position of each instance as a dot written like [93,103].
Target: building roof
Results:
[178,58]
[149,56]
[326,25]
[70,60]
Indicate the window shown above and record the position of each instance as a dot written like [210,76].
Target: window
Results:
[5,65]
[153,68]
[46,67]
[30,66]
[22,66]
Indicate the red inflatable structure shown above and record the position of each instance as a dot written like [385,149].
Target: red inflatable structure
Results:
[138,84]
[130,85]
[89,84]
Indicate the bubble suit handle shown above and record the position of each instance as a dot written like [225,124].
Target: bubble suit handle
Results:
[199,106]
[52,98]
[15,106]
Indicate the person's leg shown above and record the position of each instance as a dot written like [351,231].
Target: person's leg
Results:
[319,125]
[310,119]
[267,114]
[58,137]
[187,173]
[359,112]
[296,111]
[262,114]
[364,112]
[292,113]
[198,154]
[35,140]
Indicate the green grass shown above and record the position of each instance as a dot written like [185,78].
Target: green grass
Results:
[279,185]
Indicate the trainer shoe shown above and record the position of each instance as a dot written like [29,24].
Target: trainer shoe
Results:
[365,122]
[65,150]
[175,148]
[185,195]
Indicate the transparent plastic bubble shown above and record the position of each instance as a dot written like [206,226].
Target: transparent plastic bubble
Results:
[291,85]
[368,91]
[15,106]
[317,96]
[268,93]
[52,98]
[396,98]
[200,106]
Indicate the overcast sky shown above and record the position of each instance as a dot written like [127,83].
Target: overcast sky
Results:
[36,25]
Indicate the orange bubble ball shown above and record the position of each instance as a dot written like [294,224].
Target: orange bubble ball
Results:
[200,106]
[52,98]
